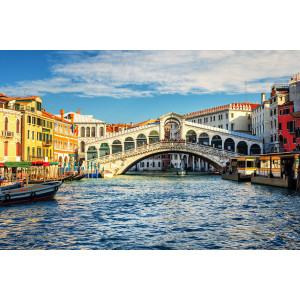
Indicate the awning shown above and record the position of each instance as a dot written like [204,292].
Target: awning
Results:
[40,163]
[73,155]
[1,165]
[53,163]
[17,164]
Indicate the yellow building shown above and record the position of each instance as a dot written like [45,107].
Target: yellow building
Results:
[65,139]
[10,131]
[37,130]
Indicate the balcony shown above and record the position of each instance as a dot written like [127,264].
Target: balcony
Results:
[47,143]
[25,108]
[7,133]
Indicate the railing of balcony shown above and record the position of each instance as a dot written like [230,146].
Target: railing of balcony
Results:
[7,133]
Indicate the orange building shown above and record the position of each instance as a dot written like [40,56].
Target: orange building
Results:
[65,136]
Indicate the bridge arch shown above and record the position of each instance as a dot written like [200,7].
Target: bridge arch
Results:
[191,136]
[229,144]
[140,158]
[216,141]
[242,148]
[255,149]
[153,137]
[104,149]
[116,146]
[204,138]
[129,143]
[92,153]
[141,140]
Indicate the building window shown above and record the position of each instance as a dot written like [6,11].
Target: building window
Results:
[82,147]
[29,119]
[33,151]
[101,133]
[5,148]
[82,132]
[18,126]
[93,131]
[32,135]
[147,164]
[28,134]
[232,115]
[33,120]
[6,124]
[279,126]
[88,132]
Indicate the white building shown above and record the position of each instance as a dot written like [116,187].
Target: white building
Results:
[261,122]
[234,117]
[88,129]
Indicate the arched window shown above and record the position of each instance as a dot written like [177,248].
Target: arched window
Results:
[18,126]
[88,132]
[18,149]
[5,148]
[82,147]
[101,132]
[6,124]
[93,131]
[82,132]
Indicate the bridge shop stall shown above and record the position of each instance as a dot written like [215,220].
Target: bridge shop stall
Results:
[274,169]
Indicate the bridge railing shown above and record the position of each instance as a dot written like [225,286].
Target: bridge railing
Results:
[166,144]
[240,134]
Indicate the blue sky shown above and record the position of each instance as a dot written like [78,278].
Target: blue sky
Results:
[125,86]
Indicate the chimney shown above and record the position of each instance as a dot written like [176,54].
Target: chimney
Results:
[72,118]
[62,114]
[263,97]
[79,111]
[131,124]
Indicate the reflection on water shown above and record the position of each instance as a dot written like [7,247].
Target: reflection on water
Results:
[156,212]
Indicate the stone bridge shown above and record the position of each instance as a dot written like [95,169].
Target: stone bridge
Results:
[144,141]
[120,162]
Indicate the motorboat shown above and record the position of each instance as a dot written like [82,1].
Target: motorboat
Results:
[34,193]
[11,185]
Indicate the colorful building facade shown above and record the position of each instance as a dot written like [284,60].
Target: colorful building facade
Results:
[10,131]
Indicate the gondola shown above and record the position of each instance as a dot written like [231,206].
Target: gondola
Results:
[34,193]
[39,181]
[79,176]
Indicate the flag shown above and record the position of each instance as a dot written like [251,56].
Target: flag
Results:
[75,129]
[72,128]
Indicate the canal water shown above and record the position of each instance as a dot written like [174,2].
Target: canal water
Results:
[156,212]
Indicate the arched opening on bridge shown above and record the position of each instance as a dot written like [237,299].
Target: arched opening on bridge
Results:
[184,160]
[172,129]
[153,137]
[141,140]
[242,148]
[104,150]
[229,144]
[204,139]
[191,137]
[82,147]
[129,143]
[216,142]
[116,146]
[92,153]
[255,149]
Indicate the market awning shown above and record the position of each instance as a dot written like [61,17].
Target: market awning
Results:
[1,165]
[53,163]
[40,163]
[17,164]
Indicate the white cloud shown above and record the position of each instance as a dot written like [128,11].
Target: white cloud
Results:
[123,74]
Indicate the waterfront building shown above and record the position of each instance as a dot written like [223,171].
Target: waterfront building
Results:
[234,117]
[88,129]
[294,90]
[65,138]
[10,131]
[287,127]
[261,122]
[279,96]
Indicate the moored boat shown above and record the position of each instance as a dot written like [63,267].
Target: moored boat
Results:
[79,176]
[37,192]
[10,185]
